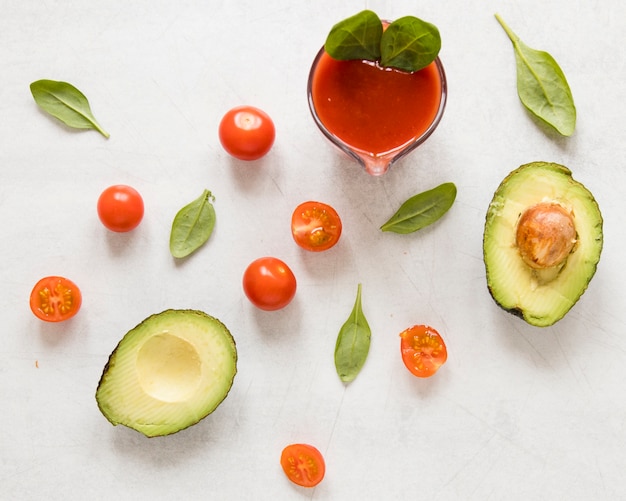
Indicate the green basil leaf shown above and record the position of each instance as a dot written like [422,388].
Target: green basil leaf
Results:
[409,44]
[542,86]
[192,225]
[353,343]
[357,37]
[66,103]
[422,209]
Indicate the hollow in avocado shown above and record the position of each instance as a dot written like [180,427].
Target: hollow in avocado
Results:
[168,373]
[542,242]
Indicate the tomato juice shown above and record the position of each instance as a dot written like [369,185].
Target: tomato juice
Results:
[376,110]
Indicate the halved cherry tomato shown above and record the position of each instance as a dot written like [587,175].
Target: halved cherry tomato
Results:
[315,226]
[303,464]
[423,350]
[269,283]
[120,208]
[246,132]
[54,299]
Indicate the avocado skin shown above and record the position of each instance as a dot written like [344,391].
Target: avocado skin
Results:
[594,228]
[515,311]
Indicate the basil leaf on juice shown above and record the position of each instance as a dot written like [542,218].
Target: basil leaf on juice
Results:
[66,103]
[353,343]
[192,225]
[422,209]
[357,37]
[409,44]
[542,86]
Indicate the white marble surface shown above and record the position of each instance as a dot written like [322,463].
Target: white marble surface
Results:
[516,413]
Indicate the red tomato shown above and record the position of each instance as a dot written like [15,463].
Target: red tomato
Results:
[315,226]
[303,464]
[269,283]
[247,133]
[423,350]
[120,208]
[54,299]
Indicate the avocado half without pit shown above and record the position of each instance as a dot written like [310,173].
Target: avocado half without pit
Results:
[168,373]
[542,242]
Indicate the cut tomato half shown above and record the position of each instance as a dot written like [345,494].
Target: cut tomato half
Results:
[423,350]
[303,464]
[54,299]
[315,226]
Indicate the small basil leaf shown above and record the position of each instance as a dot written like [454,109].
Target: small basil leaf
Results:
[353,343]
[422,209]
[542,86]
[357,37]
[410,44]
[66,103]
[192,225]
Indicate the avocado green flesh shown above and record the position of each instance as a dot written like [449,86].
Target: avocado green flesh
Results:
[541,297]
[168,373]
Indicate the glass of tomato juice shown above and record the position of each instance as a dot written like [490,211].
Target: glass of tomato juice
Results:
[374,114]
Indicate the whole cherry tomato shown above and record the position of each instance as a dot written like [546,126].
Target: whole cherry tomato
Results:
[303,464]
[423,350]
[54,299]
[315,226]
[120,208]
[246,132]
[269,283]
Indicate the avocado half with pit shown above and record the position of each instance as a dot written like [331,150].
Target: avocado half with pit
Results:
[542,242]
[168,373]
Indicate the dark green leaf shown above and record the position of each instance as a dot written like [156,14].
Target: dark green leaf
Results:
[353,343]
[410,44]
[422,209]
[192,225]
[65,102]
[357,37]
[542,86]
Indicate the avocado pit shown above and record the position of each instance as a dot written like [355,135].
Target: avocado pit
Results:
[545,235]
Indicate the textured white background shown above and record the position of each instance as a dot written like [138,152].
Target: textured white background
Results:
[516,413]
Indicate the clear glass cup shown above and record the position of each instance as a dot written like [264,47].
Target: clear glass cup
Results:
[377,164]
